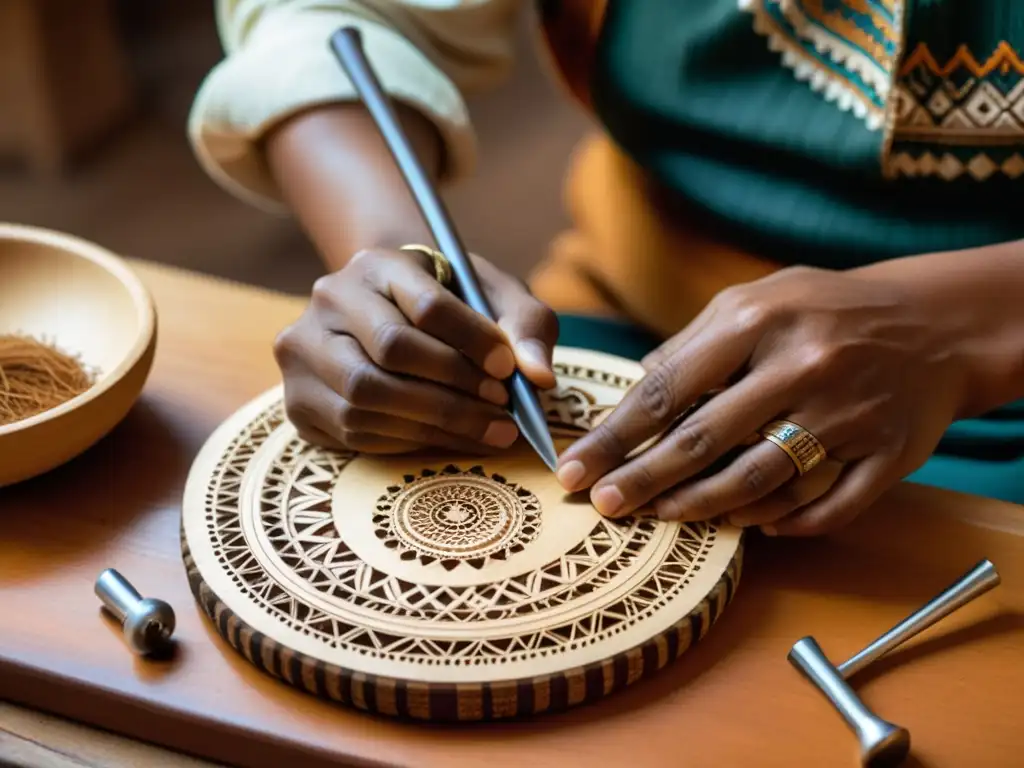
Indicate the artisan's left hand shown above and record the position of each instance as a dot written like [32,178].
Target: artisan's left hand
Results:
[856,361]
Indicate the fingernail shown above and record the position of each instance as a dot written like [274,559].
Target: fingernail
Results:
[607,500]
[493,392]
[737,522]
[501,434]
[769,530]
[500,362]
[571,475]
[533,352]
[667,512]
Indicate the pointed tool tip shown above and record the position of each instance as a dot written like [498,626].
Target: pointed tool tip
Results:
[546,450]
[551,460]
[543,445]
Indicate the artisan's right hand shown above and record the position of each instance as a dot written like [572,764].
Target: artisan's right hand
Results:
[387,360]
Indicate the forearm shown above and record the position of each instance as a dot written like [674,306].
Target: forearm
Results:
[977,300]
[338,177]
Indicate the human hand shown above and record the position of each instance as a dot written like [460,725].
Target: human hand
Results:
[387,360]
[859,362]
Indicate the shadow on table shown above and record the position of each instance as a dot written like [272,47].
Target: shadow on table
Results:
[52,520]
[865,564]
[1008,622]
[851,565]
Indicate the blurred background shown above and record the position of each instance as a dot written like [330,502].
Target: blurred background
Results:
[94,98]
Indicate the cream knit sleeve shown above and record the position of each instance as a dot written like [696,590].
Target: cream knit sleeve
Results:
[428,54]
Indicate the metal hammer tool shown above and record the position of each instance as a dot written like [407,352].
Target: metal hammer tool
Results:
[883,744]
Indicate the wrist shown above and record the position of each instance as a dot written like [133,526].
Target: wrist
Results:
[339,179]
[971,301]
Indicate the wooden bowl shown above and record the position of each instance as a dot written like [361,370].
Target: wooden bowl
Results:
[88,302]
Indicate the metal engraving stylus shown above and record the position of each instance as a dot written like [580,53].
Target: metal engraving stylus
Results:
[526,409]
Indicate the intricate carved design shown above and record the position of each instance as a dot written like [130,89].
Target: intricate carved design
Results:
[573,408]
[296,517]
[442,576]
[568,406]
[455,517]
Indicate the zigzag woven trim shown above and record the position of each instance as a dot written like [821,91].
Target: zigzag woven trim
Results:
[813,70]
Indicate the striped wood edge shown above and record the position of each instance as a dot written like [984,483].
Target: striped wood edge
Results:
[473,701]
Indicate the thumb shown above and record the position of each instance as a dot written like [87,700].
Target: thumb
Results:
[529,325]
[532,332]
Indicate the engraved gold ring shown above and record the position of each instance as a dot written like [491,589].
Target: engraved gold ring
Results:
[442,267]
[801,446]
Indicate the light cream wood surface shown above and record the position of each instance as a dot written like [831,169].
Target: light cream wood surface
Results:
[442,586]
[732,700]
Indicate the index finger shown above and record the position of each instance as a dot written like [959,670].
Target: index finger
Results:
[647,409]
[437,311]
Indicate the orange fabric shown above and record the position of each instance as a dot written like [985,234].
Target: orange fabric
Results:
[629,256]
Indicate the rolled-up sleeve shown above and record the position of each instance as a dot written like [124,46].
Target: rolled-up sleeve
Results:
[428,54]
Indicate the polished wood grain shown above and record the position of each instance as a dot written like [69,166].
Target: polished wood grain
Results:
[732,700]
[31,739]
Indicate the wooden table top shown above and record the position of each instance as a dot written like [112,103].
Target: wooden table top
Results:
[732,700]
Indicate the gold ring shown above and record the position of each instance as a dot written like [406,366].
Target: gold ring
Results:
[442,267]
[801,446]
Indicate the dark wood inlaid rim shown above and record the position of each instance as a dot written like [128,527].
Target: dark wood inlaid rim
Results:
[472,701]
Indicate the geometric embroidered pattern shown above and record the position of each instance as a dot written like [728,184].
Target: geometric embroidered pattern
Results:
[846,50]
[950,166]
[961,101]
[959,117]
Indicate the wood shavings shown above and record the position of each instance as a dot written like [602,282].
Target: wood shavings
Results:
[36,376]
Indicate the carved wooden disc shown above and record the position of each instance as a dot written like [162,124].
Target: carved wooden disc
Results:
[443,587]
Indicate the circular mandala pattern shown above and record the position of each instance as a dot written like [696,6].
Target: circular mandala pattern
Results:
[461,591]
[455,518]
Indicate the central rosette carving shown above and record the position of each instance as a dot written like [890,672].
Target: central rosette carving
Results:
[456,517]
